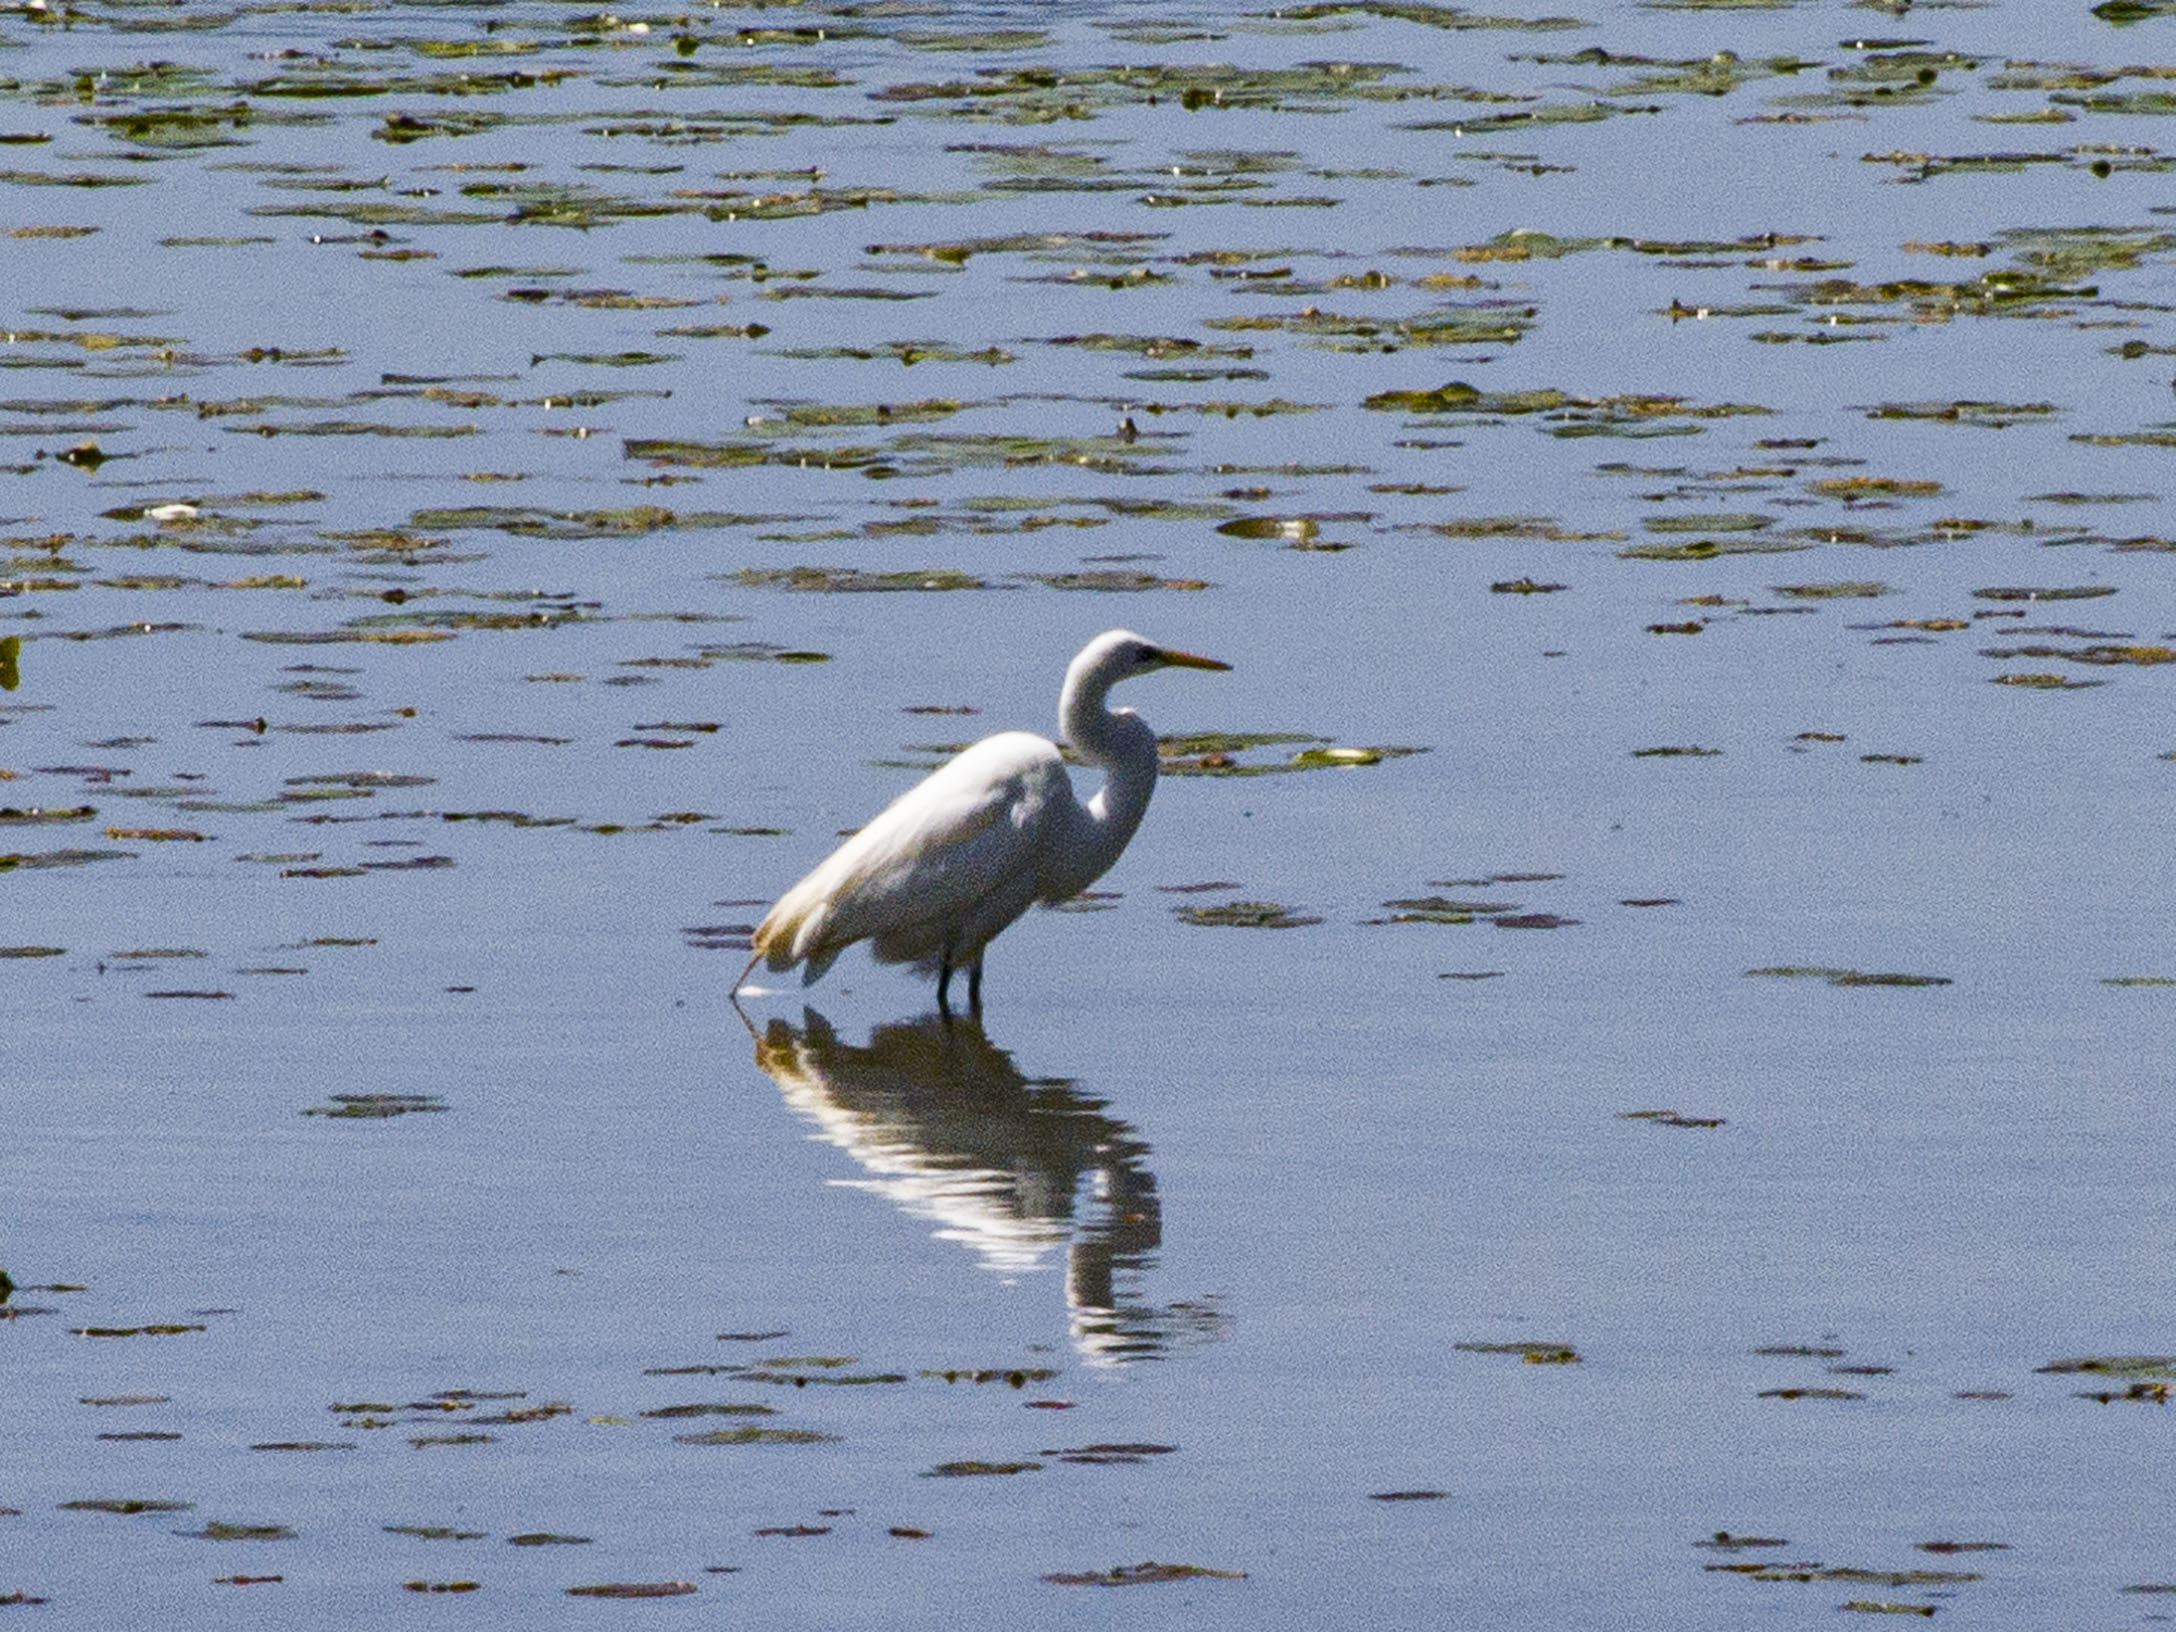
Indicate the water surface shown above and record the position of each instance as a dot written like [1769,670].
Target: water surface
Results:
[491,494]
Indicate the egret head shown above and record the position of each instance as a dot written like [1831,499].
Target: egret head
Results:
[1120,654]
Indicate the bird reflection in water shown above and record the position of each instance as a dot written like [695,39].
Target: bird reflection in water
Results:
[1014,1168]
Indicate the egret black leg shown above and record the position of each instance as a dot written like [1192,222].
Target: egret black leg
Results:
[974,988]
[944,988]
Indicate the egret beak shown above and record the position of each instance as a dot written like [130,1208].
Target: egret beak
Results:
[1187,660]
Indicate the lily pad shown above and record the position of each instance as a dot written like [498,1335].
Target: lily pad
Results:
[1245,915]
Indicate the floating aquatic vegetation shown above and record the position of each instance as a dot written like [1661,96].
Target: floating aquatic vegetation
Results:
[44,816]
[1438,909]
[1569,415]
[1486,322]
[1798,1394]
[78,178]
[2101,653]
[127,1505]
[223,1530]
[1149,345]
[2045,682]
[1424,12]
[803,1378]
[1039,95]
[1113,582]
[1111,1454]
[1851,977]
[2080,592]
[1295,531]
[805,414]
[1721,522]
[756,1436]
[1715,75]
[1245,915]
[2157,1366]
[12,860]
[1148,1573]
[856,580]
[925,454]
[619,521]
[1999,416]
[1215,753]
[1846,1572]
[1872,487]
[1849,589]
[1882,1606]
[633,1589]
[2136,1393]
[1532,1352]
[376,1106]
[1537,527]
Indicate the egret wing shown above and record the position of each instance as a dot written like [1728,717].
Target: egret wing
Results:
[928,871]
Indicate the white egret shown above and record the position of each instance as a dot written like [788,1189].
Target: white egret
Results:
[950,863]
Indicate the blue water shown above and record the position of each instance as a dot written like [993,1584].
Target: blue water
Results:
[1236,1192]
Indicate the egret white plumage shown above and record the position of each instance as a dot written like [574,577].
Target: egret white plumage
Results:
[949,864]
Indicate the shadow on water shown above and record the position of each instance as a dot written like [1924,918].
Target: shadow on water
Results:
[1013,1167]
